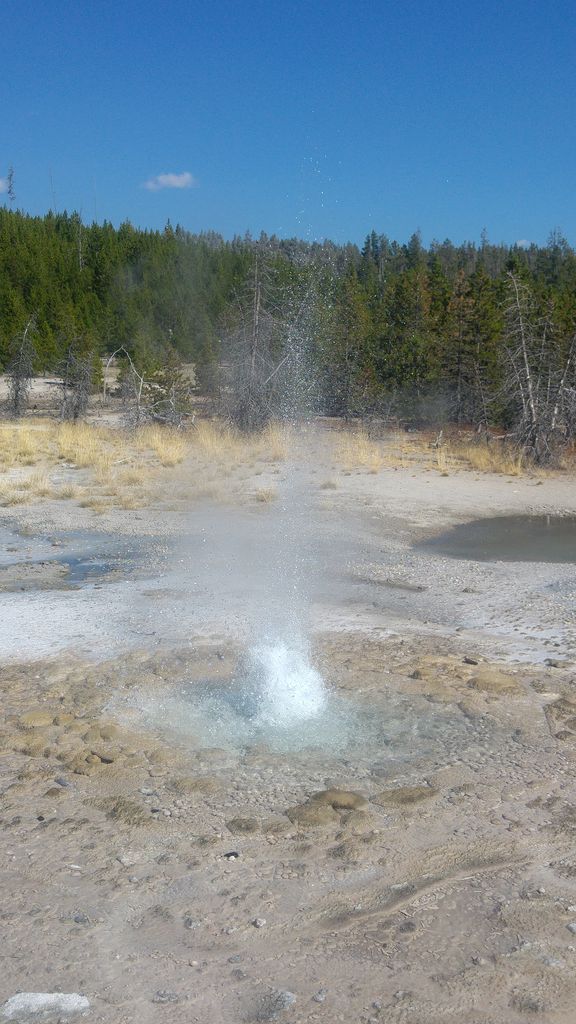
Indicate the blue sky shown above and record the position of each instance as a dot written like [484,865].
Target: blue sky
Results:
[310,118]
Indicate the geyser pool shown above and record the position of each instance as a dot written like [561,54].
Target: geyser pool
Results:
[276,699]
[275,696]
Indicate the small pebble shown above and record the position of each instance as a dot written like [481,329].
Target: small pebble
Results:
[320,995]
[259,922]
[572,927]
[163,995]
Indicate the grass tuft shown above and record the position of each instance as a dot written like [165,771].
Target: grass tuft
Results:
[489,457]
[265,495]
[169,446]
[356,450]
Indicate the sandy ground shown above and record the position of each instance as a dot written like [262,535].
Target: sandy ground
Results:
[434,878]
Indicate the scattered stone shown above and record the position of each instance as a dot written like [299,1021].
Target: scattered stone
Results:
[109,732]
[194,784]
[313,815]
[340,799]
[232,855]
[572,927]
[164,995]
[120,808]
[404,796]
[61,781]
[54,792]
[64,719]
[36,720]
[491,680]
[416,674]
[274,1003]
[320,995]
[92,735]
[129,859]
[191,922]
[242,825]
[552,663]
[259,922]
[354,821]
[468,660]
[33,1003]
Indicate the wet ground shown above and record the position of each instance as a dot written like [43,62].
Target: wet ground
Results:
[528,538]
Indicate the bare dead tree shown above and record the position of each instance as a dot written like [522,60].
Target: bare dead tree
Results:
[75,386]
[540,379]
[251,347]
[21,369]
[162,397]
[9,184]
[132,387]
[266,372]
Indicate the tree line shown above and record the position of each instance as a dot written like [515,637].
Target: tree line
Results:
[477,333]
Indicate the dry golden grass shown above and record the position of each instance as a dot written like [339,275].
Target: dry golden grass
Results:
[168,445]
[68,492]
[274,443]
[220,443]
[95,503]
[356,450]
[135,477]
[85,446]
[265,495]
[38,485]
[20,489]
[488,457]
[129,500]
[9,495]
[25,444]
[214,440]
[118,463]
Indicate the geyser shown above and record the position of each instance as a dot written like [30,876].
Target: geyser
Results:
[287,689]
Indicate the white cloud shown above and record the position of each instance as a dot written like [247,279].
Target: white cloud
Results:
[4,185]
[184,180]
[523,243]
